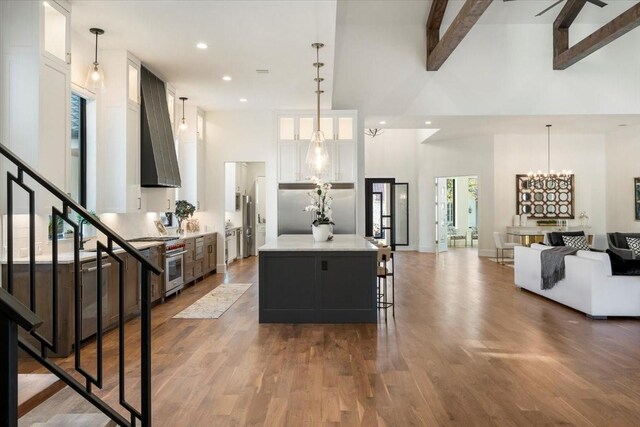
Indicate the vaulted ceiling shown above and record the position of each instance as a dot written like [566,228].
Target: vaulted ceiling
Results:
[374,55]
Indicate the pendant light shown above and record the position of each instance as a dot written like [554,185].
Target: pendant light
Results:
[317,154]
[183,122]
[550,178]
[95,76]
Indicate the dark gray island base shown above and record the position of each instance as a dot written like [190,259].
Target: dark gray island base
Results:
[302,281]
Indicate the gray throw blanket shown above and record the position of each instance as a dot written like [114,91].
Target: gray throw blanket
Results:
[552,264]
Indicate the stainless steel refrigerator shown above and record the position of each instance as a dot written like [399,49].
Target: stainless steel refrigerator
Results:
[248,227]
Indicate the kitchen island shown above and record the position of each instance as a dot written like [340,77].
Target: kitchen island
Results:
[302,281]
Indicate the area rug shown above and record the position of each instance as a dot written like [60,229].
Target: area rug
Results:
[215,303]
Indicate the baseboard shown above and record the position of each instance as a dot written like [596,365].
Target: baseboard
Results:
[222,268]
[429,249]
[489,253]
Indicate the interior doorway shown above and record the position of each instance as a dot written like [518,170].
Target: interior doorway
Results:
[456,223]
[387,211]
[245,210]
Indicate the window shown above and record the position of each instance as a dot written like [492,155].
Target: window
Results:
[79,149]
[451,202]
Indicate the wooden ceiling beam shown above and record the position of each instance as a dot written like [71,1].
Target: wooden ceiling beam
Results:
[565,56]
[562,23]
[439,49]
[438,7]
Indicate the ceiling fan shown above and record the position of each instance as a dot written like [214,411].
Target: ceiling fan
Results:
[599,3]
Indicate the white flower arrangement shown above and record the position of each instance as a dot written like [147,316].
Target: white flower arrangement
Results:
[320,202]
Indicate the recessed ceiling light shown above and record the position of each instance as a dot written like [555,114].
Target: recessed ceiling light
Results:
[427,122]
[226,78]
[243,99]
[202,45]
[383,122]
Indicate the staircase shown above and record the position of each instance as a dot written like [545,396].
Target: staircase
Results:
[67,393]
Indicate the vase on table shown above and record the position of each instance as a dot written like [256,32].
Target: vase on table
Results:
[321,232]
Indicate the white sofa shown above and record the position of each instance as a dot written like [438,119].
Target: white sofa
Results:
[588,285]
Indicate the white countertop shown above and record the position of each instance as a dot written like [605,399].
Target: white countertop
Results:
[305,242]
[85,256]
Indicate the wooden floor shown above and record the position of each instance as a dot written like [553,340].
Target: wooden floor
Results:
[466,348]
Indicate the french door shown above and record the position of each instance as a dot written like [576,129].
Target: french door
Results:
[387,211]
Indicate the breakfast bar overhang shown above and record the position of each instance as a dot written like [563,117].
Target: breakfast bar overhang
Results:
[303,281]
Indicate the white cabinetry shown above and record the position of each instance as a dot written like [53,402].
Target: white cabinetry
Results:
[294,133]
[119,145]
[35,75]
[233,246]
[192,158]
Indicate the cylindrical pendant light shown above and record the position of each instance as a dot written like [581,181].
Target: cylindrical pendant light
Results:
[95,76]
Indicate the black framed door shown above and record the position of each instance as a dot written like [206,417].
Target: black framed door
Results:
[387,211]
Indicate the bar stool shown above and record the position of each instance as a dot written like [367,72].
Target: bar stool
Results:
[385,271]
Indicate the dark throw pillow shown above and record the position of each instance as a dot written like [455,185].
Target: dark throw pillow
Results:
[578,242]
[623,267]
[555,237]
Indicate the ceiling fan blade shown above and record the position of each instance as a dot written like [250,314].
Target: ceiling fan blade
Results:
[550,7]
[597,3]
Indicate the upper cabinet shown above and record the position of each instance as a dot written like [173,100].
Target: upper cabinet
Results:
[119,147]
[133,82]
[192,157]
[35,122]
[56,34]
[294,134]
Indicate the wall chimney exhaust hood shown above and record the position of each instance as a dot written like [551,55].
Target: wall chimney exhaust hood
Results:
[158,159]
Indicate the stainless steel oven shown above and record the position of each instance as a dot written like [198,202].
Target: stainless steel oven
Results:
[174,267]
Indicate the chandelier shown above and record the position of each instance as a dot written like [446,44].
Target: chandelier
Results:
[550,178]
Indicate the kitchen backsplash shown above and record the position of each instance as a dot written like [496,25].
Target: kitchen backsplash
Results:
[127,225]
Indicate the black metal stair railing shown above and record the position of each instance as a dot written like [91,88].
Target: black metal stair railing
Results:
[143,414]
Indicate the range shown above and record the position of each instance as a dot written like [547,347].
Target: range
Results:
[174,261]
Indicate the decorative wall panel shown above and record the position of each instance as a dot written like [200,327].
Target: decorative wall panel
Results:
[548,199]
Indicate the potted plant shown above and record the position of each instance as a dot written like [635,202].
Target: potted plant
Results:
[320,205]
[184,210]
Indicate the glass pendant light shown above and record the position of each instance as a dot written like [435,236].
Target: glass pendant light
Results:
[317,154]
[183,122]
[95,76]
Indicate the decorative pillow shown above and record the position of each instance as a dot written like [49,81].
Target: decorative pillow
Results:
[554,238]
[634,245]
[623,267]
[578,242]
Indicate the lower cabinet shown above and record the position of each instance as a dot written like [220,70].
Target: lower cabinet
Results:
[44,302]
[197,268]
[131,290]
[317,287]
[210,253]
[156,255]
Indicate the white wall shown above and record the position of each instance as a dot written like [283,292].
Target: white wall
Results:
[498,69]
[623,152]
[456,158]
[233,136]
[582,154]
[393,154]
